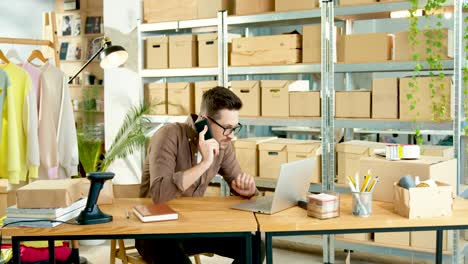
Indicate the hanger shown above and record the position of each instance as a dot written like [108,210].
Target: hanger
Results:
[13,54]
[37,54]
[3,58]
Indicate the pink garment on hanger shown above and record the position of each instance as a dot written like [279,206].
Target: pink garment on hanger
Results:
[35,74]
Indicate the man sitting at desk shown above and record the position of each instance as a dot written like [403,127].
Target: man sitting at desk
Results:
[181,163]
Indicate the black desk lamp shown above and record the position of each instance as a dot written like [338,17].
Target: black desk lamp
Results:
[112,56]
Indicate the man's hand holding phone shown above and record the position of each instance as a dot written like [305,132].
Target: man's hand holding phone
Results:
[208,148]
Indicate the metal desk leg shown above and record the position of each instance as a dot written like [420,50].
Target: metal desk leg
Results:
[15,243]
[257,243]
[248,248]
[439,241]
[269,248]
[51,251]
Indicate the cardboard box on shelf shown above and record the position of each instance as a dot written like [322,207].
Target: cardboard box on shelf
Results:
[446,152]
[393,238]
[263,43]
[403,51]
[306,149]
[272,155]
[423,108]
[157,53]
[49,194]
[200,89]
[210,8]
[183,51]
[358,237]
[3,196]
[249,93]
[208,50]
[162,10]
[356,2]
[304,104]
[385,98]
[311,43]
[156,95]
[295,5]
[389,172]
[413,202]
[275,98]
[353,104]
[248,7]
[247,153]
[362,48]
[180,98]
[267,57]
[348,156]
[426,239]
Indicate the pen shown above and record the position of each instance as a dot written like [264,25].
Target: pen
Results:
[356,177]
[367,178]
[356,196]
[373,183]
[350,178]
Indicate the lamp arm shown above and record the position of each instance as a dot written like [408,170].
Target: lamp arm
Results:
[86,64]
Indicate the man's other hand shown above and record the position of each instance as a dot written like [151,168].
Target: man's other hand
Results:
[244,185]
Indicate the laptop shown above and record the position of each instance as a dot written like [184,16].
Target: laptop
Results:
[292,185]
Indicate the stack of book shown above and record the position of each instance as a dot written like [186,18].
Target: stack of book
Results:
[42,217]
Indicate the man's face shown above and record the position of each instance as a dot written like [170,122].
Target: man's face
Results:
[228,119]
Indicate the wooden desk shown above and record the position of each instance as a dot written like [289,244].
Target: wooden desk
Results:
[198,217]
[294,221]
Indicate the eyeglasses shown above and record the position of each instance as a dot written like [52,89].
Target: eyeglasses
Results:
[227,131]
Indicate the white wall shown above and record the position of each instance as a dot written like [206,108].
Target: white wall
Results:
[22,19]
[123,85]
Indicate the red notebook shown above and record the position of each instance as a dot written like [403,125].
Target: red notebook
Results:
[155,212]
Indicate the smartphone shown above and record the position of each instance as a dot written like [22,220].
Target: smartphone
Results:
[200,125]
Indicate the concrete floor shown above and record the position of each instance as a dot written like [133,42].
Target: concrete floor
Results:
[282,253]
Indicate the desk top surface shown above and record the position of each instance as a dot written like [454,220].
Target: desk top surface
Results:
[296,219]
[196,215]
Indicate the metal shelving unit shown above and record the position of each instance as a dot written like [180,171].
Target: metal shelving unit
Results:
[332,15]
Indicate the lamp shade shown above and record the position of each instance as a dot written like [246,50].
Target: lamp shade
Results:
[113,56]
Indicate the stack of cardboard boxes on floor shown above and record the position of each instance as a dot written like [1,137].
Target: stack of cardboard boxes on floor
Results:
[436,162]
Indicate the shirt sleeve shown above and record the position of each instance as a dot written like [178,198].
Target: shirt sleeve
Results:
[31,130]
[165,182]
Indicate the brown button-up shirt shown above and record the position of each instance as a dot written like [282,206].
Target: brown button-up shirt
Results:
[172,151]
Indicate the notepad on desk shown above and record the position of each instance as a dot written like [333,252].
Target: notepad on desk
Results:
[155,212]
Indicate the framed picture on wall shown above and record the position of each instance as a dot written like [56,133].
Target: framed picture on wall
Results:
[71,25]
[93,25]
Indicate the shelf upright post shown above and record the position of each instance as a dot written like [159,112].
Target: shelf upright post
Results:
[348,132]
[222,49]
[328,112]
[458,60]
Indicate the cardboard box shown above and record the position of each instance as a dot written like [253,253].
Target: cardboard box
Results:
[446,152]
[275,98]
[304,104]
[249,93]
[106,195]
[403,51]
[49,193]
[247,153]
[208,50]
[183,51]
[385,98]
[311,43]
[267,57]
[353,104]
[248,7]
[264,43]
[389,172]
[357,2]
[3,196]
[156,95]
[423,110]
[272,154]
[393,238]
[294,5]
[163,10]
[200,89]
[413,202]
[210,8]
[157,52]
[180,98]
[306,149]
[358,237]
[426,240]
[348,156]
[375,47]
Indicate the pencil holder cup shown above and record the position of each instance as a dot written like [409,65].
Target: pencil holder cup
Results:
[362,204]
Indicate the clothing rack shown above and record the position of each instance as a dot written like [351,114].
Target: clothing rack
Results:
[49,32]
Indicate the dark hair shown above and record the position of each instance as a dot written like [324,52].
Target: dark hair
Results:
[217,99]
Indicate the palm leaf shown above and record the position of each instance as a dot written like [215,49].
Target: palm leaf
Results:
[130,137]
